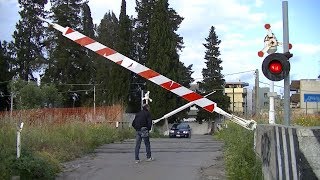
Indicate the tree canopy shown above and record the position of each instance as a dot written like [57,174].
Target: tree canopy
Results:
[212,77]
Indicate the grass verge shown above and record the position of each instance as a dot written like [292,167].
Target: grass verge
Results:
[240,158]
[45,147]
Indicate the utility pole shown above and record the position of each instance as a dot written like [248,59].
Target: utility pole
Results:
[94,99]
[272,95]
[286,49]
[142,94]
[257,109]
[233,98]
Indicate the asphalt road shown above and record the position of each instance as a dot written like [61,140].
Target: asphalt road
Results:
[198,158]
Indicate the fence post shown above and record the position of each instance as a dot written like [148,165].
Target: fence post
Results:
[19,129]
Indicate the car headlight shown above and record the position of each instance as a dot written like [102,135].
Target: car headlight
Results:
[185,132]
[171,131]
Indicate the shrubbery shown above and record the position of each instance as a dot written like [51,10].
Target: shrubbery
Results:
[240,158]
[45,147]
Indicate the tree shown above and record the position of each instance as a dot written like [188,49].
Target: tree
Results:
[28,95]
[144,9]
[28,39]
[5,76]
[68,63]
[88,29]
[107,33]
[120,77]
[140,36]
[162,55]
[212,77]
[51,97]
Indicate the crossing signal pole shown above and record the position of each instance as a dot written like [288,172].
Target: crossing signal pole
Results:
[276,66]
[285,50]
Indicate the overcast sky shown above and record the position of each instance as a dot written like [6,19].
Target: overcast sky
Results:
[239,25]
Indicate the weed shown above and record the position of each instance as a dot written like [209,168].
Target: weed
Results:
[241,161]
[46,146]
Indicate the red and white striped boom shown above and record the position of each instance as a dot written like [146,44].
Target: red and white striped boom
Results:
[139,69]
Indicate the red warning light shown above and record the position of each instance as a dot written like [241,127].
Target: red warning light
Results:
[275,67]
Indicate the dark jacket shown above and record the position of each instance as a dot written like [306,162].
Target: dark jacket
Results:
[142,119]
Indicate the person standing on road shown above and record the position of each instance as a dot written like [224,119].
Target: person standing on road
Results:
[142,124]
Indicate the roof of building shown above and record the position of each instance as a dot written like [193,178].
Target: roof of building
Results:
[237,83]
[295,98]
[295,85]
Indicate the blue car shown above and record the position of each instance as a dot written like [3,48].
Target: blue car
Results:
[180,130]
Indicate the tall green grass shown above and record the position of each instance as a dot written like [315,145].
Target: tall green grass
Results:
[45,147]
[240,158]
[307,120]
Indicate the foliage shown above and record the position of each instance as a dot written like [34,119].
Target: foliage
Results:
[35,166]
[45,147]
[28,39]
[163,56]
[240,158]
[118,73]
[307,121]
[29,95]
[107,34]
[51,96]
[212,77]
[69,63]
[5,76]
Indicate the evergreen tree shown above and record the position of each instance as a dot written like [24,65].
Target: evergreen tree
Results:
[67,60]
[141,44]
[212,77]
[144,9]
[5,76]
[28,38]
[120,77]
[162,55]
[107,33]
[87,22]
[88,30]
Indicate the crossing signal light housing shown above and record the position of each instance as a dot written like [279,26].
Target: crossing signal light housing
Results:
[276,66]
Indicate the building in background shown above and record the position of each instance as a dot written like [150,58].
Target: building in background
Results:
[238,97]
[264,100]
[306,98]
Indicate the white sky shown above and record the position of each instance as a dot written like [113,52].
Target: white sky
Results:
[239,25]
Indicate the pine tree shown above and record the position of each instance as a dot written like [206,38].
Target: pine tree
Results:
[28,39]
[212,77]
[162,55]
[88,30]
[141,44]
[107,32]
[87,22]
[120,77]
[5,76]
[142,35]
[67,64]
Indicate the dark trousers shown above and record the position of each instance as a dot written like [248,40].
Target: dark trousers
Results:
[138,144]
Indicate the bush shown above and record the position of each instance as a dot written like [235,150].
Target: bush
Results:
[35,166]
[240,158]
[45,147]
[307,120]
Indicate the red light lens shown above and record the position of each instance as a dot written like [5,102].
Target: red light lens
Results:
[275,67]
